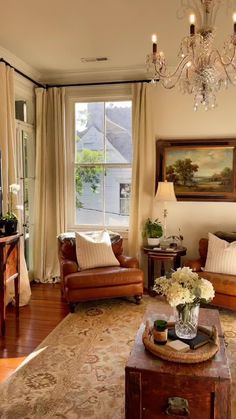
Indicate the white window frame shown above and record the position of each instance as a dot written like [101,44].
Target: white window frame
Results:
[103,93]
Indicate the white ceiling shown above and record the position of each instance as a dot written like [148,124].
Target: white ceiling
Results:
[53,35]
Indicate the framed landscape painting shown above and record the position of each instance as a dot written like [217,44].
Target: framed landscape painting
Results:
[200,170]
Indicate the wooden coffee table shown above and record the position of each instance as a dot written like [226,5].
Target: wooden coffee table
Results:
[150,381]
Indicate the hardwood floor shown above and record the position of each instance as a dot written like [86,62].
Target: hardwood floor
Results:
[36,321]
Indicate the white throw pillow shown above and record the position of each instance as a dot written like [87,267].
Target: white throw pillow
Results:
[94,251]
[221,256]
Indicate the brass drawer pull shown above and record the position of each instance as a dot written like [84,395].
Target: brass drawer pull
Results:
[177,407]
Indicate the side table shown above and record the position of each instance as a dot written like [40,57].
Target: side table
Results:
[162,255]
[9,269]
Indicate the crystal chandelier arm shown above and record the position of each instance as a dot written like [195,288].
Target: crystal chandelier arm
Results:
[215,9]
[228,76]
[224,66]
[228,63]
[230,59]
[167,77]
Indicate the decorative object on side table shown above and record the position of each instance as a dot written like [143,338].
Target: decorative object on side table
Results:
[152,231]
[165,192]
[176,241]
[185,290]
[9,220]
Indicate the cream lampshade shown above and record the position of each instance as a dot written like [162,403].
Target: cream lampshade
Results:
[165,193]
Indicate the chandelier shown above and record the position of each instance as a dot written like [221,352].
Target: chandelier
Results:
[202,69]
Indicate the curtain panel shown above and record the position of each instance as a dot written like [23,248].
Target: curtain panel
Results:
[50,185]
[9,169]
[143,169]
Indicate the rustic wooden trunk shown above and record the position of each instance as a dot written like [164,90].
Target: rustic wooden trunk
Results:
[150,382]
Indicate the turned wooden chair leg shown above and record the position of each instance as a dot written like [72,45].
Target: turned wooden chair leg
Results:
[138,299]
[72,307]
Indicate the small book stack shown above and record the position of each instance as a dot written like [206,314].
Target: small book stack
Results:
[200,340]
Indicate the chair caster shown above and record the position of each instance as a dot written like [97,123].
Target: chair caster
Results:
[138,299]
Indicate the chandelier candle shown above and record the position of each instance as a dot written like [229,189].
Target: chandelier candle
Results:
[234,20]
[154,43]
[192,24]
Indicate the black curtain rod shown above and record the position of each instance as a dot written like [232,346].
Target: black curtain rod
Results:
[22,74]
[48,86]
[97,83]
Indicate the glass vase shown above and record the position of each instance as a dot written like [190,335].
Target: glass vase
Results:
[186,320]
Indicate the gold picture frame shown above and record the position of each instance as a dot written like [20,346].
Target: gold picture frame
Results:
[200,169]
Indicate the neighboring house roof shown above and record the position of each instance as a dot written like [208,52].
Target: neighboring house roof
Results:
[118,135]
[93,139]
[120,138]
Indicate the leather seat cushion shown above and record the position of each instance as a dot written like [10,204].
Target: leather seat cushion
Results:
[222,283]
[103,277]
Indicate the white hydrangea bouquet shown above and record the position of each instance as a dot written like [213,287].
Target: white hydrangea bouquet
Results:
[185,290]
[183,287]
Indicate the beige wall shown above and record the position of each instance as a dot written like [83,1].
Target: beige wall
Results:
[173,117]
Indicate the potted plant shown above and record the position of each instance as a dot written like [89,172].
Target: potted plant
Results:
[9,220]
[152,231]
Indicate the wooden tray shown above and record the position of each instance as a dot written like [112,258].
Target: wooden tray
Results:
[192,356]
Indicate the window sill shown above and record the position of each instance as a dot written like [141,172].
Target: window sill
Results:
[123,231]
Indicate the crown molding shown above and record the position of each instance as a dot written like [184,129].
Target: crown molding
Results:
[19,64]
[95,75]
[87,75]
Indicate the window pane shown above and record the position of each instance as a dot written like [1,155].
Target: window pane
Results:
[125,191]
[118,132]
[89,132]
[89,195]
[116,188]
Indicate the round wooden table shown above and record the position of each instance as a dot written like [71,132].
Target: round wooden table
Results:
[161,255]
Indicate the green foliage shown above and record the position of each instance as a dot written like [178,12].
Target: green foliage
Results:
[89,156]
[152,229]
[226,176]
[89,175]
[171,176]
[184,170]
[9,216]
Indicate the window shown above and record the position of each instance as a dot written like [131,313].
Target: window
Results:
[102,162]
[125,190]
[26,179]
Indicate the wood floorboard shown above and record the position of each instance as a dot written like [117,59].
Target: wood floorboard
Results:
[44,312]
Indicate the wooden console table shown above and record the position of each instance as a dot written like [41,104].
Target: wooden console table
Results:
[162,255]
[9,270]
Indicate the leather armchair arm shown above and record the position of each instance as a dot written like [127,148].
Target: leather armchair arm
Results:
[128,261]
[68,267]
[195,265]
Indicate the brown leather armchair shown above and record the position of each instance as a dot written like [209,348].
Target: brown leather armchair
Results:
[92,284]
[224,284]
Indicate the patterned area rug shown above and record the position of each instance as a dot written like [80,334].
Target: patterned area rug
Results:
[78,370]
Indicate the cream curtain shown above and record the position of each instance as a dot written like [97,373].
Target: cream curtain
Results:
[50,187]
[143,170]
[9,171]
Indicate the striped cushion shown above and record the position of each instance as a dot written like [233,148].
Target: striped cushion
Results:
[94,251]
[221,256]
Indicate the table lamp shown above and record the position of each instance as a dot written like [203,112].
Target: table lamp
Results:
[165,192]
